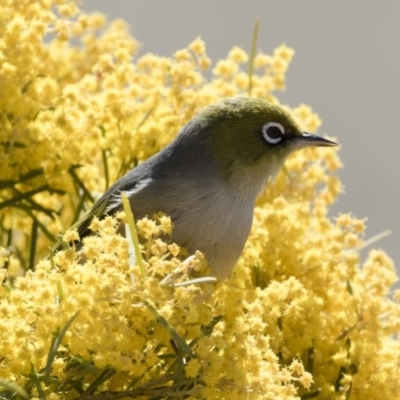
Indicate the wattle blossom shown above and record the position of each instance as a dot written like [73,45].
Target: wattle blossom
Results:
[302,316]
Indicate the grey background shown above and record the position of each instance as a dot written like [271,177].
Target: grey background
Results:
[346,66]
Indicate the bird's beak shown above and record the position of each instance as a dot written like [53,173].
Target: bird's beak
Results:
[311,140]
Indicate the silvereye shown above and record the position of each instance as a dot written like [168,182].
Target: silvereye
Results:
[207,180]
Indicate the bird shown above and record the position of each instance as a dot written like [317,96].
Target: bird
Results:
[209,177]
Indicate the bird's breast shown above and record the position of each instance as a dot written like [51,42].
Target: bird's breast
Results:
[207,214]
[216,222]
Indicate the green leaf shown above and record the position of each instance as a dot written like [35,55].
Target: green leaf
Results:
[105,160]
[106,170]
[374,239]
[32,252]
[33,205]
[253,54]
[104,376]
[80,184]
[205,279]
[310,360]
[14,388]
[49,235]
[7,288]
[311,395]
[86,364]
[23,178]
[349,286]
[64,245]
[134,236]
[78,210]
[132,253]
[181,366]
[133,160]
[60,290]
[206,330]
[38,384]
[55,344]
[165,324]
[51,257]
[23,196]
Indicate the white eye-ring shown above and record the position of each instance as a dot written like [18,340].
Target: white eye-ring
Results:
[273,132]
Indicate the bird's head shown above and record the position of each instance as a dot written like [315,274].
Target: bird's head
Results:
[250,139]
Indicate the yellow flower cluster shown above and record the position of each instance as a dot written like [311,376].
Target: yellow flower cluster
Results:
[301,317]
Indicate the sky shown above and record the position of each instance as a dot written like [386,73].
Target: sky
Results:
[346,67]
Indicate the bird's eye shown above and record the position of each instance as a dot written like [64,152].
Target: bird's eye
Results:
[273,132]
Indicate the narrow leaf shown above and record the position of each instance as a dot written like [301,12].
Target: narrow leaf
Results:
[311,395]
[30,175]
[6,287]
[253,54]
[206,279]
[85,364]
[132,254]
[106,170]
[33,205]
[374,239]
[60,290]
[349,286]
[105,159]
[165,324]
[32,251]
[144,119]
[78,209]
[104,376]
[56,344]
[65,245]
[133,233]
[51,257]
[181,366]
[22,196]
[79,182]
[38,384]
[49,235]
[13,387]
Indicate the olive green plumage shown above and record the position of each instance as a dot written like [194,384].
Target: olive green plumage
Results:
[209,177]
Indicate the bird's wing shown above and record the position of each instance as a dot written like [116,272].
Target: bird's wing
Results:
[109,203]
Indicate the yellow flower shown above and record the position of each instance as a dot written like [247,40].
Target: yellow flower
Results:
[70,236]
[262,60]
[225,68]
[198,47]
[165,224]
[147,228]
[238,55]
[301,310]
[183,55]
[284,53]
[204,63]
[68,10]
